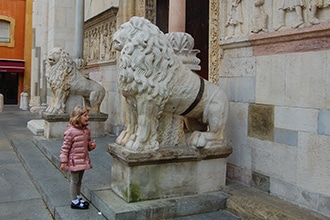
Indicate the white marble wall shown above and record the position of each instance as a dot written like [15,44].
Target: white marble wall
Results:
[113,102]
[93,8]
[296,159]
[54,24]
[61,25]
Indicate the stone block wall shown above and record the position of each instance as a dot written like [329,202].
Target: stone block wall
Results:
[278,83]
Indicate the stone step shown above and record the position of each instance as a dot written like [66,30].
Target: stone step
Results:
[36,126]
[218,215]
[42,163]
[96,188]
[251,203]
[50,183]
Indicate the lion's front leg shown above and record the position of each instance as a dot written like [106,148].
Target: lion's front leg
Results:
[147,123]
[58,104]
[131,121]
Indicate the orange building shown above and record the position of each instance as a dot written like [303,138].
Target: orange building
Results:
[15,48]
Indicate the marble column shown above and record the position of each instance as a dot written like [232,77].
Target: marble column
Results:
[177,16]
[79,30]
[126,10]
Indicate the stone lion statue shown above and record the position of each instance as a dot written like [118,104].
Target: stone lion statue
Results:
[161,93]
[64,79]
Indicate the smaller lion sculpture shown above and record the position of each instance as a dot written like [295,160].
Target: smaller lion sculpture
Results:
[161,93]
[64,79]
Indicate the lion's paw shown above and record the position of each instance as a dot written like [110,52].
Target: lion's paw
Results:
[53,110]
[136,145]
[197,139]
[205,139]
[123,138]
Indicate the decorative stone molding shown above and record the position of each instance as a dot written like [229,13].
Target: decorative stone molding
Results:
[147,9]
[150,10]
[214,39]
[141,8]
[183,46]
[316,37]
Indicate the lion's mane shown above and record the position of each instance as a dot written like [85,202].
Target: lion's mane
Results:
[58,75]
[146,61]
[64,78]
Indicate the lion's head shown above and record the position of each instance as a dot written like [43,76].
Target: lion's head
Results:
[58,55]
[147,61]
[59,66]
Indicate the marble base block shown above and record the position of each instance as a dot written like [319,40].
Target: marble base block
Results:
[167,172]
[55,124]
[36,127]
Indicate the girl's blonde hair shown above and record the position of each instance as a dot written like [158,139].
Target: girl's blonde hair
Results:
[76,113]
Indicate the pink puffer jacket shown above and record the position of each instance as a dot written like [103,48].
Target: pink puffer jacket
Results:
[74,150]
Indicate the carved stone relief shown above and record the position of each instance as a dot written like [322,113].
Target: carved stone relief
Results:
[314,7]
[241,18]
[147,9]
[260,17]
[214,39]
[289,5]
[245,17]
[141,8]
[151,11]
[234,19]
[98,33]
[183,46]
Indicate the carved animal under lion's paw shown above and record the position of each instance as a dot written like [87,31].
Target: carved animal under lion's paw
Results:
[64,79]
[161,91]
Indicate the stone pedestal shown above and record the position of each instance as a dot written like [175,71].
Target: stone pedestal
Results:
[167,172]
[55,124]
[24,101]
[37,127]
[1,102]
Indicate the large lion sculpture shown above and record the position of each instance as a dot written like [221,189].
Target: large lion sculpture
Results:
[64,79]
[161,93]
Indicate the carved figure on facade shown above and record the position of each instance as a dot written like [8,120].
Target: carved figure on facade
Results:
[98,40]
[65,79]
[289,5]
[183,46]
[235,19]
[260,18]
[105,43]
[93,45]
[314,6]
[160,91]
[111,51]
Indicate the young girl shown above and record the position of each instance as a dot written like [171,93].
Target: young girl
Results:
[74,153]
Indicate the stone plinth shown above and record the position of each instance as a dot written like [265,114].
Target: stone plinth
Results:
[55,124]
[36,127]
[167,172]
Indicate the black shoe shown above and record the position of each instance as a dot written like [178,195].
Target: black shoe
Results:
[84,202]
[79,205]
